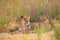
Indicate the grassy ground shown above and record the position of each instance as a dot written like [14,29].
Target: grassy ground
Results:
[30,36]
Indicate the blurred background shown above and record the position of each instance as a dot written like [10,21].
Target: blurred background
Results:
[12,10]
[34,8]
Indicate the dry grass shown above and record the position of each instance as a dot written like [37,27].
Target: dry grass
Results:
[45,36]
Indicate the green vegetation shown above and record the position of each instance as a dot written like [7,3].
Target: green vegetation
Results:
[57,31]
[40,10]
[25,37]
[3,21]
[33,19]
[39,31]
[47,27]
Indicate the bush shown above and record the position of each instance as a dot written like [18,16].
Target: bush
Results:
[39,32]
[57,31]
[3,21]
[47,27]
